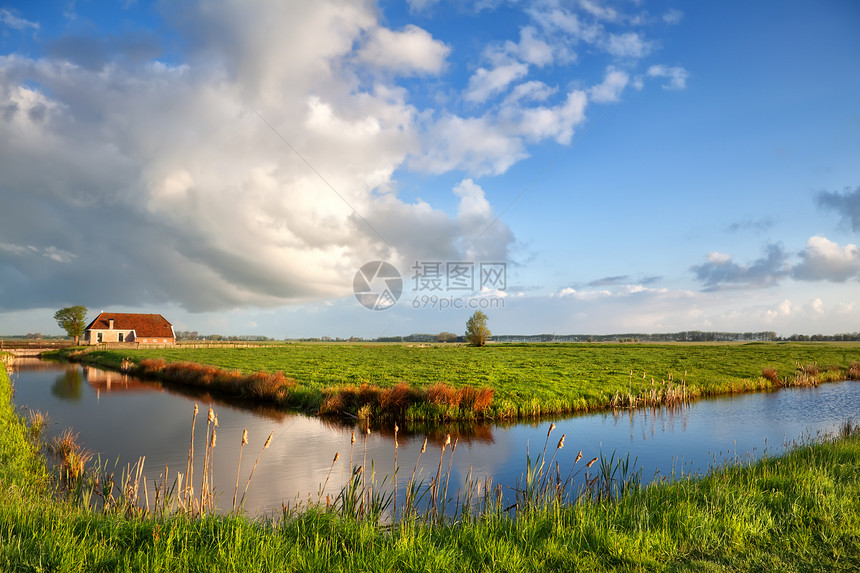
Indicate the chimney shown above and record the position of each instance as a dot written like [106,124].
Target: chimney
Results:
[110,323]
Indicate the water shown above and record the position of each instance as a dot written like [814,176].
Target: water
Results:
[123,418]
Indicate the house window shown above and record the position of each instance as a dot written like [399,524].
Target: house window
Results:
[100,337]
[120,336]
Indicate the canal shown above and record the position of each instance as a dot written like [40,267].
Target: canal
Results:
[123,419]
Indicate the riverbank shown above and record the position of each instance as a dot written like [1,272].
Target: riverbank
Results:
[440,383]
[797,512]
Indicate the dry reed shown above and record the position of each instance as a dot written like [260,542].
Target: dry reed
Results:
[265,447]
[189,470]
[239,465]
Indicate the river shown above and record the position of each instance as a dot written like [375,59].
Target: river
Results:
[123,419]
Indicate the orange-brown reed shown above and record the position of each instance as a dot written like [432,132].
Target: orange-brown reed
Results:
[392,403]
[272,386]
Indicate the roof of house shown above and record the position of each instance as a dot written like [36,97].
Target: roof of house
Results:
[141,324]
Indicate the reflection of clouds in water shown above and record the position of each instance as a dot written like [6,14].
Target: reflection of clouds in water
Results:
[158,425]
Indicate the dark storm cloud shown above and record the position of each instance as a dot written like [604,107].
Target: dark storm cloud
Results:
[608,281]
[93,52]
[721,272]
[89,52]
[623,280]
[847,204]
[757,225]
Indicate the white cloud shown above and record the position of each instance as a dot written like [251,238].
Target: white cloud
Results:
[599,11]
[583,295]
[421,5]
[533,50]
[475,144]
[676,76]
[484,237]
[556,122]
[673,16]
[609,90]
[629,45]
[825,260]
[222,212]
[486,83]
[844,308]
[560,21]
[491,143]
[412,51]
[817,306]
[9,19]
[530,91]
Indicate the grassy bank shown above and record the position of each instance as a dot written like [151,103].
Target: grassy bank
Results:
[799,512]
[453,382]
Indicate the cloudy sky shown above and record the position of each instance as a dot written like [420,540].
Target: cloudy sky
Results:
[571,166]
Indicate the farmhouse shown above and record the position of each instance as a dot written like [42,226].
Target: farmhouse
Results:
[125,327]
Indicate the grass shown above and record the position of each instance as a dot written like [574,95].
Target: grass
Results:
[797,512]
[503,381]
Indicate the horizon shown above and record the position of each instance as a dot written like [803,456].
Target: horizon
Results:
[298,170]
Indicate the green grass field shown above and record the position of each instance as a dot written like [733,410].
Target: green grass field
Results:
[527,379]
[797,512]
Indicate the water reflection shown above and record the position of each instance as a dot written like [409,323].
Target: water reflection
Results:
[109,381]
[68,385]
[123,418]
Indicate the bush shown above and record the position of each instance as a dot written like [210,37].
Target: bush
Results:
[394,401]
[440,394]
[772,375]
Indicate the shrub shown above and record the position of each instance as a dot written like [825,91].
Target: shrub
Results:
[772,375]
[151,367]
[440,394]
[477,400]
[811,370]
[333,402]
[394,401]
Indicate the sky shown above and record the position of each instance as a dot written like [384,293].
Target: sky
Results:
[355,168]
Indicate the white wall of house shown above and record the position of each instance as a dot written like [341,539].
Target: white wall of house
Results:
[99,336]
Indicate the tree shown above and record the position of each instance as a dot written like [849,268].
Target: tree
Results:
[73,320]
[446,337]
[477,332]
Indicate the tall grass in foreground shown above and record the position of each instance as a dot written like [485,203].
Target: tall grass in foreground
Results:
[798,512]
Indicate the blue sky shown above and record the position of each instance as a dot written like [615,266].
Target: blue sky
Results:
[636,166]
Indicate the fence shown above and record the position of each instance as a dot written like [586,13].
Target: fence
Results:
[215,344]
[34,344]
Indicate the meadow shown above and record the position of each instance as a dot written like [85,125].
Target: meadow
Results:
[500,381]
[796,512]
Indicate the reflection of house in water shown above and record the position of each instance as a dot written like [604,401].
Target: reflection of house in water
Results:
[107,381]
